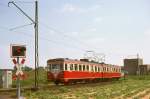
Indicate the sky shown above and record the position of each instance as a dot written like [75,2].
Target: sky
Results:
[68,28]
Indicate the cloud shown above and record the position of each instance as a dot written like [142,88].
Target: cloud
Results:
[98,19]
[147,32]
[71,8]
[96,40]
[94,7]
[74,33]
[92,30]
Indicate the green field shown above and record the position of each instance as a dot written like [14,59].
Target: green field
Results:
[133,87]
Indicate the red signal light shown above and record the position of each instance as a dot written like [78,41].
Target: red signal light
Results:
[19,50]
[22,61]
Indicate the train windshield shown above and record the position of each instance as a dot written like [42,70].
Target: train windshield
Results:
[54,67]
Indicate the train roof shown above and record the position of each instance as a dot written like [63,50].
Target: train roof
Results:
[81,61]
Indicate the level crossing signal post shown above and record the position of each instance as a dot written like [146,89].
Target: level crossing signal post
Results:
[18,51]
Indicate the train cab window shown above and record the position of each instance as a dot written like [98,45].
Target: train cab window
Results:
[55,67]
[61,66]
[87,67]
[76,67]
[71,66]
[83,67]
[80,67]
[66,67]
[49,67]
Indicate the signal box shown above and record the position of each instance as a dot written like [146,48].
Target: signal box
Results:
[18,51]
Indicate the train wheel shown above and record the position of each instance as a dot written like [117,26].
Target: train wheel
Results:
[56,82]
[66,83]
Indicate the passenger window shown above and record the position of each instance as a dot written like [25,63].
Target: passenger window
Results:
[65,66]
[92,68]
[76,67]
[95,68]
[104,69]
[71,66]
[80,67]
[87,67]
[83,67]
[98,69]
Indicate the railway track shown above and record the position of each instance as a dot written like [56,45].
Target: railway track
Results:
[51,86]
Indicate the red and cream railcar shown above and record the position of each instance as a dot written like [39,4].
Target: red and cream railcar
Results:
[63,70]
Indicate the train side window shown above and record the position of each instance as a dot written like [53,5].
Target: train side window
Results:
[87,67]
[71,66]
[76,67]
[101,69]
[66,67]
[83,67]
[104,69]
[95,68]
[80,67]
[107,69]
[98,69]
[92,68]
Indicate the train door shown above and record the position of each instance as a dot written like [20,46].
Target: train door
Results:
[56,69]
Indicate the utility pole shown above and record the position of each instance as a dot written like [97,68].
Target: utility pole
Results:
[36,36]
[36,44]
[18,82]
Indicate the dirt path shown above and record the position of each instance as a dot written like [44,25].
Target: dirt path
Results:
[6,96]
[136,95]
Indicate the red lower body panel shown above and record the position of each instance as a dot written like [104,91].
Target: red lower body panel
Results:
[66,76]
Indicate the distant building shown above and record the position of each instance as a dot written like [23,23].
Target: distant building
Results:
[132,66]
[5,78]
[145,69]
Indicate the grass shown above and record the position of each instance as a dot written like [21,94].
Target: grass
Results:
[29,80]
[103,90]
